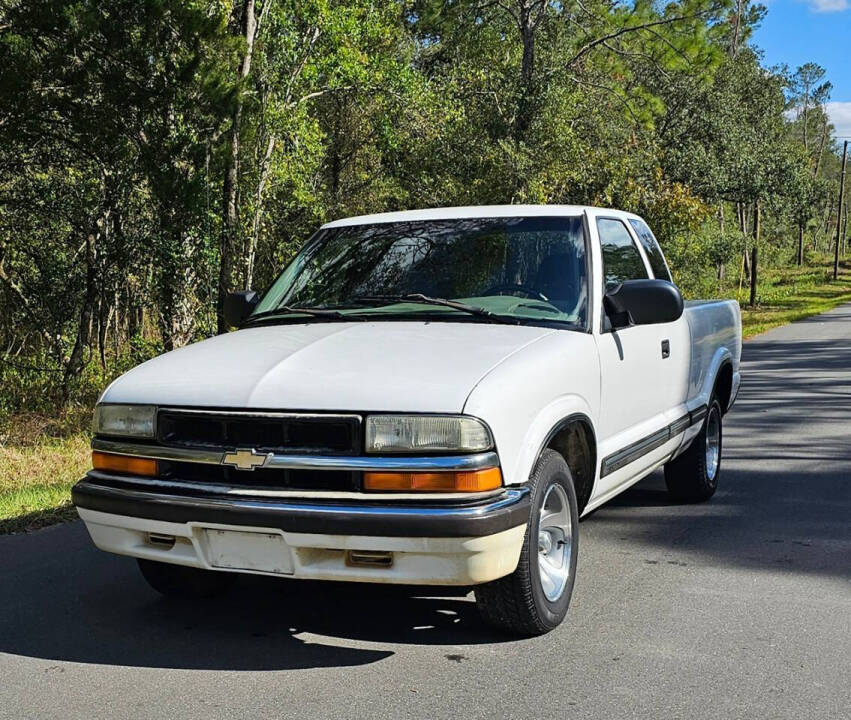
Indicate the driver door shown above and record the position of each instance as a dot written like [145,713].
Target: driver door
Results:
[633,364]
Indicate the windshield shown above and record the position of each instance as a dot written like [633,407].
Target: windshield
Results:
[511,268]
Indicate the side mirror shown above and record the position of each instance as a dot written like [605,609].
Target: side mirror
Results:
[238,306]
[643,302]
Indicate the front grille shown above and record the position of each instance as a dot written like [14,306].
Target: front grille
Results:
[265,432]
[263,478]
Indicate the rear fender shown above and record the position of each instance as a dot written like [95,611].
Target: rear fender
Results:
[721,357]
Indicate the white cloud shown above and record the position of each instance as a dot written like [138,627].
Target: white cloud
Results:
[840,116]
[829,6]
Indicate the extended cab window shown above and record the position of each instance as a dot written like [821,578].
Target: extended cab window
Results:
[621,259]
[651,250]
[513,268]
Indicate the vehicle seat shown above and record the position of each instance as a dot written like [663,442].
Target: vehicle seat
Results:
[557,280]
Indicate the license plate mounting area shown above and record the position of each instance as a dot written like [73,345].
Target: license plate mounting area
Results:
[251,551]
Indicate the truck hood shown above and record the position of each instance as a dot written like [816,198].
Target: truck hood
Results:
[359,366]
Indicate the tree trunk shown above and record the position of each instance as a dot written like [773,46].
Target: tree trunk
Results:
[839,211]
[116,335]
[740,211]
[525,105]
[175,314]
[721,230]
[820,150]
[819,226]
[734,41]
[135,310]
[104,316]
[258,212]
[335,161]
[75,361]
[824,225]
[755,251]
[806,122]
[230,186]
[800,243]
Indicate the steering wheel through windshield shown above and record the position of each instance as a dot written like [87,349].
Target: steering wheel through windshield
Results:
[510,288]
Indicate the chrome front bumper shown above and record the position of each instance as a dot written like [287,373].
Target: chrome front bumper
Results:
[465,517]
[461,542]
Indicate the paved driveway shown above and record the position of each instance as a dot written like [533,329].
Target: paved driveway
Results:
[736,609]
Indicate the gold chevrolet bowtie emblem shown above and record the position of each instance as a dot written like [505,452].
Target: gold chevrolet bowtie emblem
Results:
[244,459]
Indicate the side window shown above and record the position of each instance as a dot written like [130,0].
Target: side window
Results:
[621,259]
[651,249]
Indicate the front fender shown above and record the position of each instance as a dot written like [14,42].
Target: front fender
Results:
[542,429]
[525,397]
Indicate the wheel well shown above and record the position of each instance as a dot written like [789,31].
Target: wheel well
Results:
[574,441]
[724,385]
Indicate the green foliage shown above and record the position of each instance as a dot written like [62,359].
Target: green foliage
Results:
[696,256]
[121,120]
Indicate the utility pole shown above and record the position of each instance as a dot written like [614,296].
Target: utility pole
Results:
[839,213]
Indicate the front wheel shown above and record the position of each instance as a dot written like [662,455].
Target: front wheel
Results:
[534,599]
[693,476]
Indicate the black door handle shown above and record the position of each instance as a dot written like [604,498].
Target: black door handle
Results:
[666,349]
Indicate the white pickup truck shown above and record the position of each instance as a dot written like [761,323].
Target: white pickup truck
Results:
[424,397]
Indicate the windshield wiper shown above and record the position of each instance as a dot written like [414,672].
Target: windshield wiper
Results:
[429,300]
[290,309]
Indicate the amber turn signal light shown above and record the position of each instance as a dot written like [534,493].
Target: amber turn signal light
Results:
[124,464]
[473,481]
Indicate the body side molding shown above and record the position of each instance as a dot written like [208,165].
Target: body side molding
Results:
[648,443]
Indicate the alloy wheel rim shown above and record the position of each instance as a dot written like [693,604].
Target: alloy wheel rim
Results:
[554,542]
[713,443]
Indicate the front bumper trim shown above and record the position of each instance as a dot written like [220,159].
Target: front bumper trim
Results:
[475,518]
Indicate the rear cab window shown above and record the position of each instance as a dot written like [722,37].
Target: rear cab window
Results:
[651,250]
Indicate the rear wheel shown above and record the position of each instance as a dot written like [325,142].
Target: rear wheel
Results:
[182,581]
[534,599]
[693,475]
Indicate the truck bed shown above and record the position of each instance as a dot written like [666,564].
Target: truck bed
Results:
[714,327]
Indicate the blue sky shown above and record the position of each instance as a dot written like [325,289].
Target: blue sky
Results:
[798,31]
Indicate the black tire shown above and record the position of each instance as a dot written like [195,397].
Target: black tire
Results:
[517,603]
[188,582]
[687,476]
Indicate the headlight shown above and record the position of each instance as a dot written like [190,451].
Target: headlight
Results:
[429,433]
[125,420]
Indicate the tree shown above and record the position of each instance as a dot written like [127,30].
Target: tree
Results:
[156,154]
[96,112]
[806,92]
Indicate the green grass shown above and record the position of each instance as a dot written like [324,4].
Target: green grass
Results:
[42,457]
[789,294]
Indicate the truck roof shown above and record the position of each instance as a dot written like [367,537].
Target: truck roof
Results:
[472,211]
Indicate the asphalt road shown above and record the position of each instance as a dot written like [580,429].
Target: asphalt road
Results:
[740,608]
